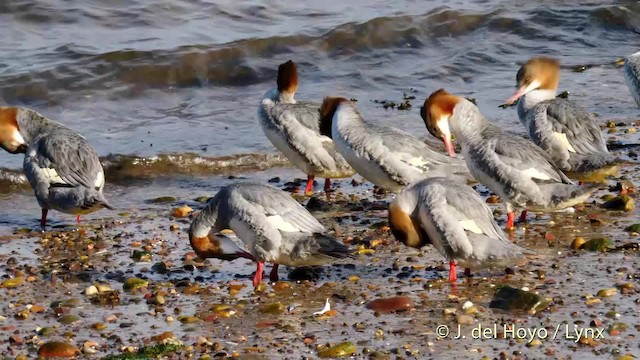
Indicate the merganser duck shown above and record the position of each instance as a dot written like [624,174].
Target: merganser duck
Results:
[632,75]
[293,127]
[388,157]
[455,220]
[520,172]
[62,168]
[563,129]
[273,226]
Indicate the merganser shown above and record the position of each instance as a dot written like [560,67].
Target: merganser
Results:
[388,157]
[293,127]
[520,172]
[273,226]
[563,129]
[62,168]
[455,220]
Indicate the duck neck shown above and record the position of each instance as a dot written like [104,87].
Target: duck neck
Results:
[532,98]
[31,124]
[346,118]
[467,123]
[205,221]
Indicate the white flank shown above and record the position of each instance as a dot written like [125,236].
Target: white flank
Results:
[99,179]
[52,176]
[564,141]
[471,225]
[536,174]
[282,225]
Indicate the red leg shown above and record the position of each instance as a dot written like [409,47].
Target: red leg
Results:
[510,217]
[78,219]
[327,185]
[453,277]
[309,187]
[467,272]
[257,278]
[43,219]
[273,277]
[523,216]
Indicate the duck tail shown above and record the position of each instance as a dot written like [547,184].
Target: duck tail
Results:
[562,196]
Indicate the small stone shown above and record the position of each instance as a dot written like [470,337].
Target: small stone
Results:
[12,283]
[577,243]
[163,199]
[57,349]
[621,203]
[633,228]
[464,319]
[134,283]
[599,244]
[91,290]
[509,298]
[341,350]
[534,342]
[607,292]
[449,311]
[273,308]
[182,211]
[392,304]
[493,199]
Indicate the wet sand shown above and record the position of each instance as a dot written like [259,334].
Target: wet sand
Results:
[186,308]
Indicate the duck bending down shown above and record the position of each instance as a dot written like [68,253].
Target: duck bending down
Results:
[274,227]
[632,75]
[564,130]
[62,168]
[453,218]
[520,172]
[388,157]
[293,127]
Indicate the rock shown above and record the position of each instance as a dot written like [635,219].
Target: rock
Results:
[273,308]
[12,283]
[106,298]
[392,304]
[163,199]
[141,256]
[493,199]
[577,243]
[303,273]
[599,244]
[134,283]
[202,199]
[633,228]
[188,319]
[509,298]
[464,319]
[274,180]
[341,350]
[68,319]
[621,203]
[57,349]
[608,292]
[534,342]
[91,290]
[182,211]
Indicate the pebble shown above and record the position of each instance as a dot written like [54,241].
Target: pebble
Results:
[182,211]
[608,292]
[464,319]
[57,349]
[91,290]
[392,304]
[577,243]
